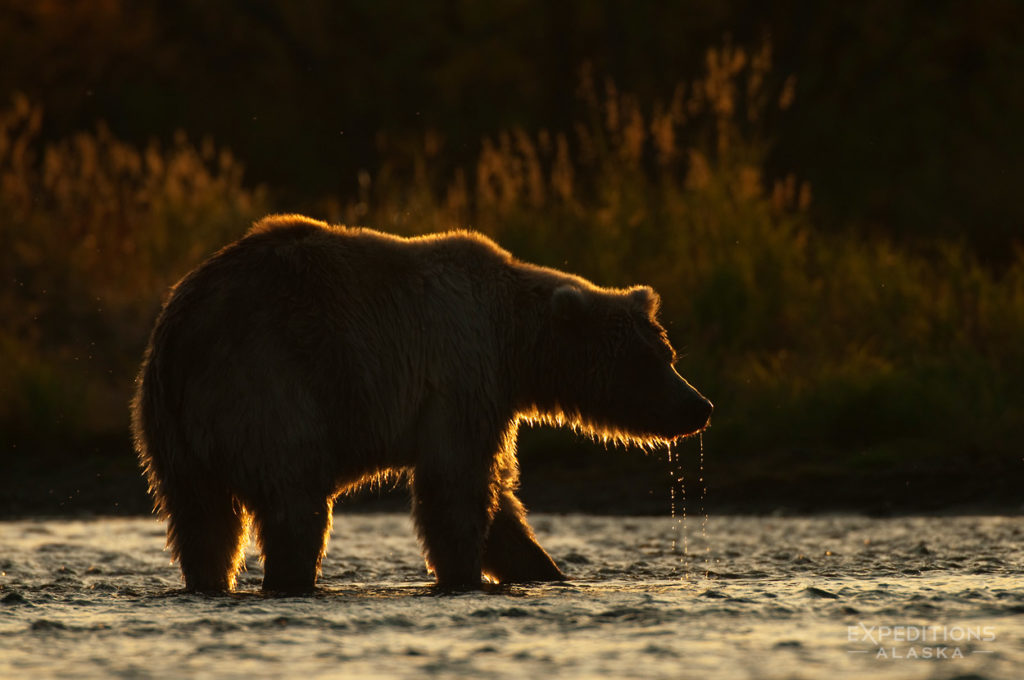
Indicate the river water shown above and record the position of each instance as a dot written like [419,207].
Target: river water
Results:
[752,597]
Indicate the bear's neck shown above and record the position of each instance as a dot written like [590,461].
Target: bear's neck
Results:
[531,355]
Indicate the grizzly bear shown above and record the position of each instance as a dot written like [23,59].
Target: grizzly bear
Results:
[305,360]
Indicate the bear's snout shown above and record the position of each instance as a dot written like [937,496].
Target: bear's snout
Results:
[692,411]
[705,409]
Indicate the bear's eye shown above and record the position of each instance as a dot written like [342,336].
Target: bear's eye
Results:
[666,346]
[666,351]
[655,337]
[670,355]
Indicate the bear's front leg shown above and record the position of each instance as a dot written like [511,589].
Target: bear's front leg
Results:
[452,507]
[511,552]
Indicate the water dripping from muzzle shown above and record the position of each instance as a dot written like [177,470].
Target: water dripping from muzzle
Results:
[677,495]
[703,510]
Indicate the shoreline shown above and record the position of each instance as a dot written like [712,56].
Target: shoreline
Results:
[123,496]
[102,478]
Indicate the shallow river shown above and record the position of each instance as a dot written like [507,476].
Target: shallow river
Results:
[737,597]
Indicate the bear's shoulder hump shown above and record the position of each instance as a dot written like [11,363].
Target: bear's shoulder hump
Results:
[288,225]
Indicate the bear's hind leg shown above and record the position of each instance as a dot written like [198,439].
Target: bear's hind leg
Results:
[511,553]
[206,531]
[293,537]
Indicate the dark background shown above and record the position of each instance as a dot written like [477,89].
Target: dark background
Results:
[905,124]
[907,119]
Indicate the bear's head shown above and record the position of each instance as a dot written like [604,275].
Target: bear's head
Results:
[610,368]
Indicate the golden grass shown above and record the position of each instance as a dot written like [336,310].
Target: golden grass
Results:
[95,230]
[836,340]
[800,337]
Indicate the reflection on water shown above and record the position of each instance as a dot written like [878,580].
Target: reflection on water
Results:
[835,596]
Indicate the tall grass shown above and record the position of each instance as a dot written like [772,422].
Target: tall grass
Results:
[810,344]
[820,349]
[94,231]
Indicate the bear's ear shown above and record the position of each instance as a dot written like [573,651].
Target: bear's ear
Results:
[644,300]
[568,302]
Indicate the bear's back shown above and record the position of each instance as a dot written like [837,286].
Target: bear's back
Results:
[304,244]
[291,262]
[324,294]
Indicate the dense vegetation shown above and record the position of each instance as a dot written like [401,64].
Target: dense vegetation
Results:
[838,348]
[906,120]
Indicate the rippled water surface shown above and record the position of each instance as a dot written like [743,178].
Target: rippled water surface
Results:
[832,596]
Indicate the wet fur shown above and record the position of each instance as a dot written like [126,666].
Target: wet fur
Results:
[304,360]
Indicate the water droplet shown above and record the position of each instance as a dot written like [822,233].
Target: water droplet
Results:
[672,498]
[678,517]
[686,533]
[703,510]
